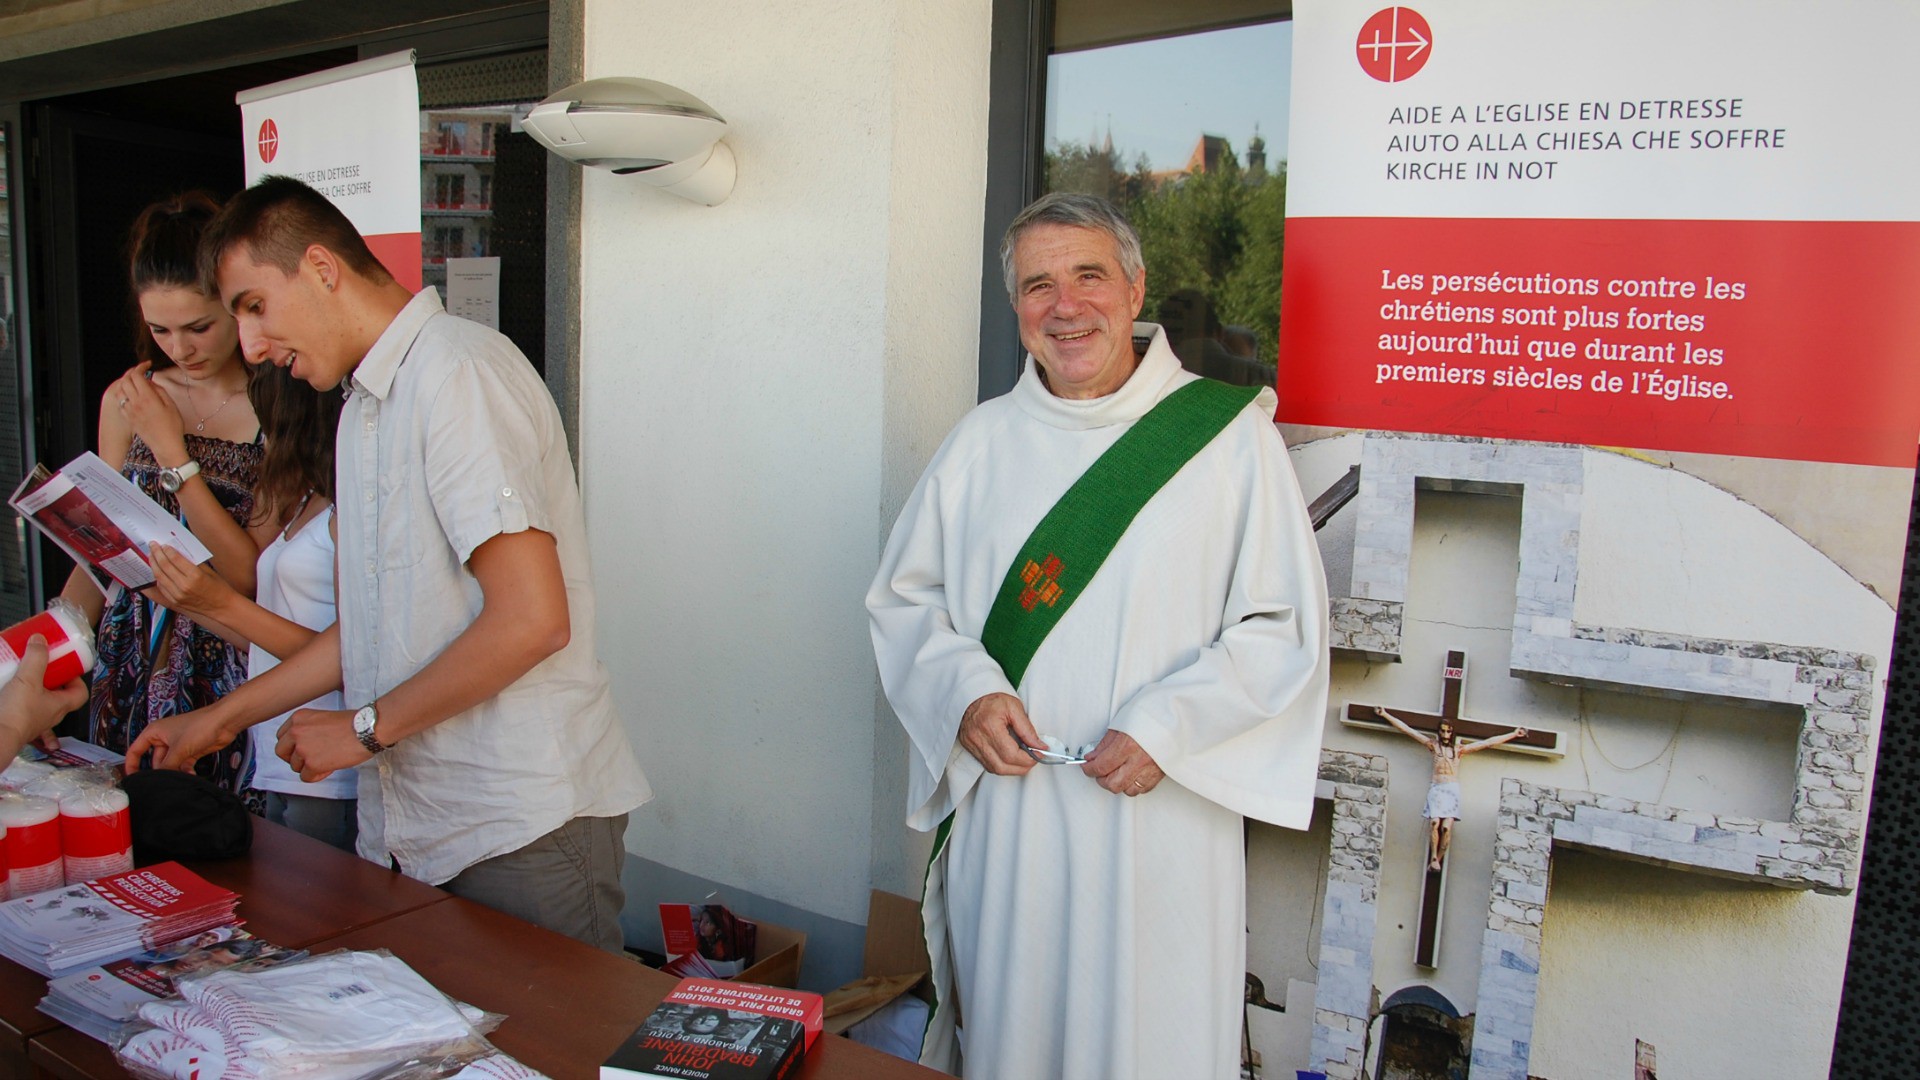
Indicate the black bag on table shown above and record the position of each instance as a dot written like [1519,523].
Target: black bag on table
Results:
[178,815]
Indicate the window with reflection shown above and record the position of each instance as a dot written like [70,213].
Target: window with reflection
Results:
[483,186]
[1179,115]
[457,162]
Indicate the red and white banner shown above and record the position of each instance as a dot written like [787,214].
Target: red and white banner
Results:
[353,134]
[1668,225]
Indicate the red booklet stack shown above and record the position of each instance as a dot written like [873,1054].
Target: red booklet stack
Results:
[64,930]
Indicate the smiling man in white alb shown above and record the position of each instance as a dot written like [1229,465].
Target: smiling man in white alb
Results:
[1102,620]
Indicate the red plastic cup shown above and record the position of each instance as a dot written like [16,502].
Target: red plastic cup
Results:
[96,836]
[34,862]
[70,652]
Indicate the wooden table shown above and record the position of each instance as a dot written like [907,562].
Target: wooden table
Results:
[296,891]
[20,991]
[567,1005]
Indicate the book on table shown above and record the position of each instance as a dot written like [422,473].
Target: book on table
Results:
[102,520]
[63,930]
[98,1000]
[709,1029]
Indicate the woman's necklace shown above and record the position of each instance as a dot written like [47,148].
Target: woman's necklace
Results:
[202,425]
[287,533]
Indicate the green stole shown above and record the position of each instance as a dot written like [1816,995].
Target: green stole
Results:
[1058,560]
[1074,539]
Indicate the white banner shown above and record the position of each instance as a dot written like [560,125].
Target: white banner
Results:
[1675,225]
[1753,110]
[353,134]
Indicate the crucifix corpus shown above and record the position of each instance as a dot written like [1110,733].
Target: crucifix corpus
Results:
[1442,734]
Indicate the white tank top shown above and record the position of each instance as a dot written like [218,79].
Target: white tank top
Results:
[294,580]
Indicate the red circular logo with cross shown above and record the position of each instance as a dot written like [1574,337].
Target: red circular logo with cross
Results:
[269,140]
[1394,44]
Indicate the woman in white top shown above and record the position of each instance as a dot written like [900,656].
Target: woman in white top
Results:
[295,583]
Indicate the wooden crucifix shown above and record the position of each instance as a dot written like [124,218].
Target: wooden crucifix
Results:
[1448,736]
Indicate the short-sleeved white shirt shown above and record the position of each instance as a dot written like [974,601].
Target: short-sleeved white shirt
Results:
[448,439]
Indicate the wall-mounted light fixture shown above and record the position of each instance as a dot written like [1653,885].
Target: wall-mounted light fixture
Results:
[641,128]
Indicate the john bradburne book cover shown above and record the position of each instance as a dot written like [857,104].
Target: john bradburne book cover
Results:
[709,1029]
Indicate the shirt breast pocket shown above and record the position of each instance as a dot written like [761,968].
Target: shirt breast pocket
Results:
[403,523]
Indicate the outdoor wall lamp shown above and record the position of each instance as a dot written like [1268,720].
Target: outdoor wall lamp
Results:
[641,128]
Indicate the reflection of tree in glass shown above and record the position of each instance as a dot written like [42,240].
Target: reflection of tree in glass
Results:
[1217,231]
[1096,170]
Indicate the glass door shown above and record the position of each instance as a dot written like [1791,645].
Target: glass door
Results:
[1184,127]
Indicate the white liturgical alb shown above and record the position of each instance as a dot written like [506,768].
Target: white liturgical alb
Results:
[1091,934]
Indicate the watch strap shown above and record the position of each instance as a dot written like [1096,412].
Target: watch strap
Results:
[173,479]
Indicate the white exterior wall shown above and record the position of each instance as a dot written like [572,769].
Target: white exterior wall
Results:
[1629,950]
[760,383]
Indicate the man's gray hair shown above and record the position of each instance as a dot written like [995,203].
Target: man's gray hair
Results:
[1080,211]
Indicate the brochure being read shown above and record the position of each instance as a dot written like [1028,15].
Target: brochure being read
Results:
[100,519]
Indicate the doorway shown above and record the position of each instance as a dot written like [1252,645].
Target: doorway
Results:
[100,158]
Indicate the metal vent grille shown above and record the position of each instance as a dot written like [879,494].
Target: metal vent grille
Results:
[492,80]
[1879,1033]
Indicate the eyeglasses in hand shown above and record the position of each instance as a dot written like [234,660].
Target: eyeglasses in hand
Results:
[1046,756]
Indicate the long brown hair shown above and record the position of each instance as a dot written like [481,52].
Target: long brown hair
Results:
[163,251]
[299,424]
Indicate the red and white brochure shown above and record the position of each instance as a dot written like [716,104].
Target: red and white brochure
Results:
[63,929]
[706,940]
[100,519]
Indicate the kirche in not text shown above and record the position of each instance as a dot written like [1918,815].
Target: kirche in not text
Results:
[1420,131]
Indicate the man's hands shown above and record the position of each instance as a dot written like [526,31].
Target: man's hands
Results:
[316,743]
[994,727]
[1121,766]
[178,741]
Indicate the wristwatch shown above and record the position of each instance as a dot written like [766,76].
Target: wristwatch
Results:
[363,722]
[171,480]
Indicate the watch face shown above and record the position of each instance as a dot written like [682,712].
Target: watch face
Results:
[170,479]
[363,722]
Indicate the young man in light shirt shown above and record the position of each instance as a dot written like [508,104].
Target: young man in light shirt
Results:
[497,767]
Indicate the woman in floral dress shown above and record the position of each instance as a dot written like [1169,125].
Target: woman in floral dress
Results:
[179,425]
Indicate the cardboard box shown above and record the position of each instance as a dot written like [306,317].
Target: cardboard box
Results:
[777,951]
[894,962]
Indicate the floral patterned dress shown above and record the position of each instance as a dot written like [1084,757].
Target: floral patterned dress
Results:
[196,666]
